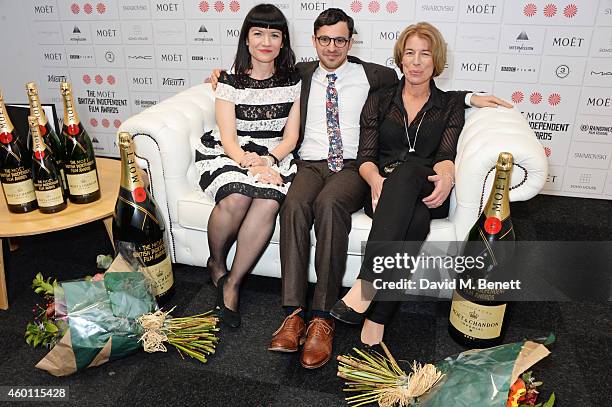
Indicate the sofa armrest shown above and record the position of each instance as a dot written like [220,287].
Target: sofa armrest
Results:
[488,132]
[164,135]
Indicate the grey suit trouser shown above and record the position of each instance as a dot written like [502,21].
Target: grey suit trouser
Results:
[326,199]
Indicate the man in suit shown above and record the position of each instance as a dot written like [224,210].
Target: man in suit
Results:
[327,188]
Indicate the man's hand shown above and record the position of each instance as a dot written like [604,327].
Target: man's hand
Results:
[488,101]
[214,79]
[266,175]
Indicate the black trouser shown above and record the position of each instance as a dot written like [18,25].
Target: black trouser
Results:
[400,215]
[326,199]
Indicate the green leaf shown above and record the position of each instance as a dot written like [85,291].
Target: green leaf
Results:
[36,341]
[551,401]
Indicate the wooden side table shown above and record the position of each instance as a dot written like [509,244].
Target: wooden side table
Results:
[33,223]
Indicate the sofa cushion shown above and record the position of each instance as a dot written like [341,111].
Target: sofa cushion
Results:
[194,210]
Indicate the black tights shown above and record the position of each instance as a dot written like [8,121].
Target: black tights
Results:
[247,221]
[400,215]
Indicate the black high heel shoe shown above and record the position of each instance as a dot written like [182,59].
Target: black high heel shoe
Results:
[226,315]
[346,314]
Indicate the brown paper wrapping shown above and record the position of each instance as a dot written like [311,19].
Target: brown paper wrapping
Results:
[531,354]
[60,361]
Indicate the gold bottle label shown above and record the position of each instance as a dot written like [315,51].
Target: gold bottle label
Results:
[36,109]
[497,208]
[71,117]
[158,267]
[6,126]
[82,184]
[475,320]
[160,275]
[19,193]
[49,197]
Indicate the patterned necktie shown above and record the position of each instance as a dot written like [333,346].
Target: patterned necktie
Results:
[334,155]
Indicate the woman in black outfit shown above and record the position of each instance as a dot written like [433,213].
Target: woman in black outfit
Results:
[407,146]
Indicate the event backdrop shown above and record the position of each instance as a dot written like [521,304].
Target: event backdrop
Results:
[551,58]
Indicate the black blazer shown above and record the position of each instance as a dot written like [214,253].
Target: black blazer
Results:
[378,76]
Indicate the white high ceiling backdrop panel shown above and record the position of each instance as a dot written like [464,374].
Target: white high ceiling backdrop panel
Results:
[551,58]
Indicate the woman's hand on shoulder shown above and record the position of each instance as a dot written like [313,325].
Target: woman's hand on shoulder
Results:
[266,175]
[251,159]
[488,101]
[214,78]
[443,186]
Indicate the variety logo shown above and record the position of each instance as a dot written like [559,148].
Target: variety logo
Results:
[173,81]
[57,78]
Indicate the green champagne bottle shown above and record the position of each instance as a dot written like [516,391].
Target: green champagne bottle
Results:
[79,157]
[137,223]
[47,179]
[477,316]
[50,138]
[15,167]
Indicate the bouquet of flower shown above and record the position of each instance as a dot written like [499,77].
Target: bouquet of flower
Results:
[92,321]
[480,378]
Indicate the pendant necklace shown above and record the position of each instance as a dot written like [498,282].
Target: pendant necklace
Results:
[413,145]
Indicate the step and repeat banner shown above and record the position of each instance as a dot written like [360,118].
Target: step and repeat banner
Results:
[552,59]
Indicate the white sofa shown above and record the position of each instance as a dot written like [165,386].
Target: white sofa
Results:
[166,135]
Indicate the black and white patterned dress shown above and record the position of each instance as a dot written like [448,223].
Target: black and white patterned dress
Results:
[262,108]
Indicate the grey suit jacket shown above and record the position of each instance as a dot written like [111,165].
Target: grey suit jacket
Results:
[378,76]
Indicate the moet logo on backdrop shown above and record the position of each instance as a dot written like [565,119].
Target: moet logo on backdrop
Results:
[106,32]
[570,42]
[481,11]
[167,9]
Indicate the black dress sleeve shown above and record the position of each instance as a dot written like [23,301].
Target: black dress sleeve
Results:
[368,135]
[454,125]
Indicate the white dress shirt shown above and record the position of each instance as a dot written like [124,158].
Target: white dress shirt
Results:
[353,88]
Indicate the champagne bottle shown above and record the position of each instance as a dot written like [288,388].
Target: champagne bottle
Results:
[15,167]
[79,158]
[46,178]
[137,221]
[477,312]
[50,138]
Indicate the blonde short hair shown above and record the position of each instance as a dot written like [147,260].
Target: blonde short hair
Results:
[429,33]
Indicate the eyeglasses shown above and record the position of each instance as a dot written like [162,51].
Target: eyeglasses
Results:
[339,42]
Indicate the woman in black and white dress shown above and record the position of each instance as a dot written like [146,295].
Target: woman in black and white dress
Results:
[246,166]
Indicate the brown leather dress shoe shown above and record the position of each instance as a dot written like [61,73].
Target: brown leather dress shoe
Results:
[319,342]
[290,335]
